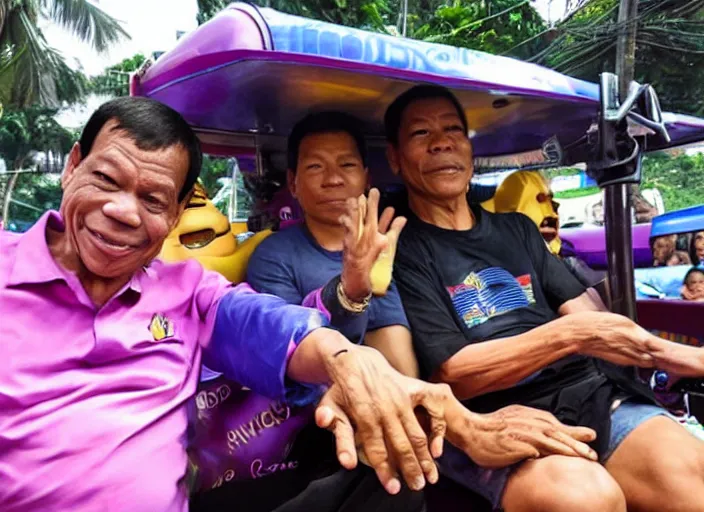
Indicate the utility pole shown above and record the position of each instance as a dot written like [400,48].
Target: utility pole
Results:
[404,18]
[617,198]
[626,44]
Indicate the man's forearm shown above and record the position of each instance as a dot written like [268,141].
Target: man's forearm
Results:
[499,364]
[310,361]
[255,336]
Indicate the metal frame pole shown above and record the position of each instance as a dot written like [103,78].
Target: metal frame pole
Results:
[617,198]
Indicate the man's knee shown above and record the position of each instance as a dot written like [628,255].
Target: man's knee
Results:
[678,475]
[558,483]
[660,466]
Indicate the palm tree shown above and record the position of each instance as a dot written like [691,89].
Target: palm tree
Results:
[31,71]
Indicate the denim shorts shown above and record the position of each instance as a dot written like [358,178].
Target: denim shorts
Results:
[490,483]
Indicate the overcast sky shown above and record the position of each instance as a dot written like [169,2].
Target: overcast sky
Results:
[151,23]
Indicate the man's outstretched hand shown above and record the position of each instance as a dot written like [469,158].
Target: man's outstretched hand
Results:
[372,408]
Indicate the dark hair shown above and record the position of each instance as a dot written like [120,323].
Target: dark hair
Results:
[325,122]
[691,271]
[392,118]
[693,248]
[152,125]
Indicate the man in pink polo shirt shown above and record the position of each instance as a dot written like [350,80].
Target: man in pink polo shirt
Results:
[102,345]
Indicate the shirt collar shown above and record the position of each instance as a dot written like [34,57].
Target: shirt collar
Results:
[34,263]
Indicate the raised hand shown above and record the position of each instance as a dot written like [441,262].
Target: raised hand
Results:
[369,246]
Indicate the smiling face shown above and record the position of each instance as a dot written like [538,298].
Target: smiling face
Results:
[329,170]
[433,155]
[120,202]
[695,284]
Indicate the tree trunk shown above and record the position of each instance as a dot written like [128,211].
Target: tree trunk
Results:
[8,198]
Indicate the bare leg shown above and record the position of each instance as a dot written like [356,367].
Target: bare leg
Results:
[559,484]
[660,466]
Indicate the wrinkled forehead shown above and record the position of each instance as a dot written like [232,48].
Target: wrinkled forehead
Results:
[427,109]
[117,148]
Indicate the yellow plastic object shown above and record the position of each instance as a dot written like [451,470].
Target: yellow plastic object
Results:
[383,268]
[238,227]
[205,234]
[489,205]
[520,192]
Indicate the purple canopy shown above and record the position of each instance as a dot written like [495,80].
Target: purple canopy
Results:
[257,71]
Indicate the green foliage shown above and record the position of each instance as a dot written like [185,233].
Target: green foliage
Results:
[114,81]
[495,27]
[369,14]
[32,130]
[33,194]
[32,72]
[209,8]
[670,48]
[560,171]
[216,178]
[215,168]
[31,138]
[577,192]
[679,178]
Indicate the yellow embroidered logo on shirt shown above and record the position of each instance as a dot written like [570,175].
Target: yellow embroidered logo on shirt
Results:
[161,327]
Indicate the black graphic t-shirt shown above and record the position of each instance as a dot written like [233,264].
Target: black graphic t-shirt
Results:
[495,280]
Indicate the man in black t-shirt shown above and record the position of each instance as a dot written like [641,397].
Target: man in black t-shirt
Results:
[503,321]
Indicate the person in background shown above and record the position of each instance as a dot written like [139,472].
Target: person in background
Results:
[678,258]
[696,248]
[663,247]
[693,285]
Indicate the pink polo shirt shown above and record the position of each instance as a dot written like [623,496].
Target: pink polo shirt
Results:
[93,400]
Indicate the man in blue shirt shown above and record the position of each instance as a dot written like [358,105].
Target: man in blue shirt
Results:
[307,263]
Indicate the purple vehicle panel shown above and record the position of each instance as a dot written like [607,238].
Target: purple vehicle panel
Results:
[589,243]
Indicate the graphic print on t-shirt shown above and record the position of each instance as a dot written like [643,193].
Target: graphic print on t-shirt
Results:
[490,292]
